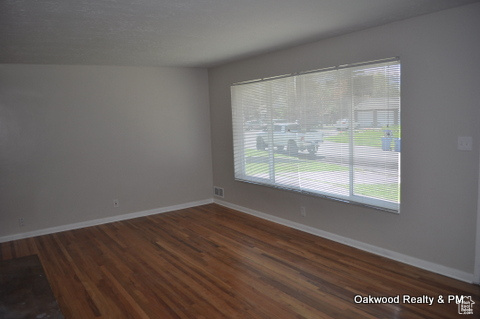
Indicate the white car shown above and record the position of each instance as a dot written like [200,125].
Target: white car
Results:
[254,125]
[291,137]
[344,124]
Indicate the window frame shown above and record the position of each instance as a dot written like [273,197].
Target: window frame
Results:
[240,170]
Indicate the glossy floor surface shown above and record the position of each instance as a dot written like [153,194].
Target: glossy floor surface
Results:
[214,262]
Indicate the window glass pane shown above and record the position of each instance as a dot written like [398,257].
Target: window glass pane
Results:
[331,133]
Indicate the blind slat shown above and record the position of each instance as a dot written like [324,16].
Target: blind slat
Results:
[332,133]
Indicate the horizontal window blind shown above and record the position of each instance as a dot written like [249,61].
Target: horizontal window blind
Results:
[334,133]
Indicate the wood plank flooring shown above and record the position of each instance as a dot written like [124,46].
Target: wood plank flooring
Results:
[214,262]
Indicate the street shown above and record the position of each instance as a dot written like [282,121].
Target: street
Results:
[373,167]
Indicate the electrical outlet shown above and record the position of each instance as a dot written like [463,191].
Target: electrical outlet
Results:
[303,211]
[21,222]
[115,203]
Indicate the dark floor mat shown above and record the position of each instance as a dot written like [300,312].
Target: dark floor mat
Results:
[25,291]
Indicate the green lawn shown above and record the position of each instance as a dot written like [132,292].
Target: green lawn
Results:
[388,191]
[365,137]
[262,168]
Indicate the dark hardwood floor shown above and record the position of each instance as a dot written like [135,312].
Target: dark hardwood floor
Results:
[214,262]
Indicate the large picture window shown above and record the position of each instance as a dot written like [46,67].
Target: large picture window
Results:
[334,133]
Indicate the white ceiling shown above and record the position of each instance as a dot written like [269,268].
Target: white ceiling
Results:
[194,33]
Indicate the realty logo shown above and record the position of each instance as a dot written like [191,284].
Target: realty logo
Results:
[465,306]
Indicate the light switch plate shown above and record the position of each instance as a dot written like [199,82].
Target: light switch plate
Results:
[465,143]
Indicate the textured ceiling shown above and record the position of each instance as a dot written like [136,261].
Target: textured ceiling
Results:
[194,33]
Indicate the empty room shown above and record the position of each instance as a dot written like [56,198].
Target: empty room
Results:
[239,159]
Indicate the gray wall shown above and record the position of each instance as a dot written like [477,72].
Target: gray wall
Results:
[440,101]
[73,138]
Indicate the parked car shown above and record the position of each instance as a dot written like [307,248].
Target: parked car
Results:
[254,125]
[344,124]
[289,136]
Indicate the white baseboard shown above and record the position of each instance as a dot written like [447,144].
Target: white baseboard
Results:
[101,221]
[433,267]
